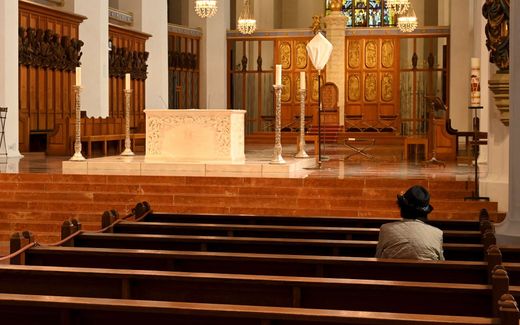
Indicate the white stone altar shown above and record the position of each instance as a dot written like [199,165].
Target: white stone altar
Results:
[195,135]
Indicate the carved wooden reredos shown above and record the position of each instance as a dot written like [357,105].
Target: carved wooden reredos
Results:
[49,51]
[128,55]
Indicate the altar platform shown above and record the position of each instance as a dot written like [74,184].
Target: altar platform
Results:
[256,164]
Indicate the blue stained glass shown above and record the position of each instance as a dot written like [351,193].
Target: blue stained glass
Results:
[365,13]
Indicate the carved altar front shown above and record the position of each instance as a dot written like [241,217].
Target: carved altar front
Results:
[195,135]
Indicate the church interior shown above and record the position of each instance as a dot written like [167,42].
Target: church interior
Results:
[232,161]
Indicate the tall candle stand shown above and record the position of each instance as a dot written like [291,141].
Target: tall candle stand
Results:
[301,144]
[277,156]
[77,144]
[128,149]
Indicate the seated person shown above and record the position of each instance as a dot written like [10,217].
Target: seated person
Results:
[411,238]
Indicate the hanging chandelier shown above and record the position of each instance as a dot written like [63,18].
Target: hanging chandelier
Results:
[206,8]
[246,22]
[398,6]
[407,23]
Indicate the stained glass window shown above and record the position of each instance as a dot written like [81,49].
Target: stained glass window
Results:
[365,13]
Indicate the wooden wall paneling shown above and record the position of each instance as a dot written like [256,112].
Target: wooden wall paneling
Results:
[372,84]
[132,41]
[183,67]
[44,94]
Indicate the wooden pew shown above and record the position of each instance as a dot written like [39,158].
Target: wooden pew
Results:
[274,231]
[318,221]
[452,251]
[259,290]
[267,264]
[94,311]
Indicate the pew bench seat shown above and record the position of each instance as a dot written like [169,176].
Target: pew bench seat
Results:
[71,310]
[259,290]
[267,264]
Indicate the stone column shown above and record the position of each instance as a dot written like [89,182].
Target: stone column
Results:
[94,62]
[213,59]
[508,232]
[336,67]
[151,17]
[9,73]
[460,54]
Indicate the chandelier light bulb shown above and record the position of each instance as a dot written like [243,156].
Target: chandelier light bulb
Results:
[246,22]
[206,8]
[398,6]
[407,23]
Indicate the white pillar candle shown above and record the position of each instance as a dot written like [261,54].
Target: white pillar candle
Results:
[78,76]
[278,75]
[302,80]
[475,82]
[127,81]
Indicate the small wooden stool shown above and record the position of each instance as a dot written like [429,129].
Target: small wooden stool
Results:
[415,141]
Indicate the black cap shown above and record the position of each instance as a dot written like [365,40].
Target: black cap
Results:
[416,198]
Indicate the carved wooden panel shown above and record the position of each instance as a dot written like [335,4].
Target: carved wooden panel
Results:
[49,51]
[291,53]
[285,55]
[354,87]
[387,87]
[371,87]
[371,54]
[372,84]
[354,54]
[387,54]
[286,88]
[301,55]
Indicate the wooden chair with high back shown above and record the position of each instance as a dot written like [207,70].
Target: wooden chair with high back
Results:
[329,102]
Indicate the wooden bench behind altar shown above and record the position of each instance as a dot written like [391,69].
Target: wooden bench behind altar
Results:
[93,130]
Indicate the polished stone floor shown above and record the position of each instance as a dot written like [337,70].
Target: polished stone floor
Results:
[336,164]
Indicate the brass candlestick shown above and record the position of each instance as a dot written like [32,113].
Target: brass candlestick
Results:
[301,146]
[128,144]
[277,156]
[77,144]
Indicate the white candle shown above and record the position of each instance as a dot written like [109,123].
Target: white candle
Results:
[475,82]
[278,75]
[127,81]
[475,63]
[78,76]
[302,80]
